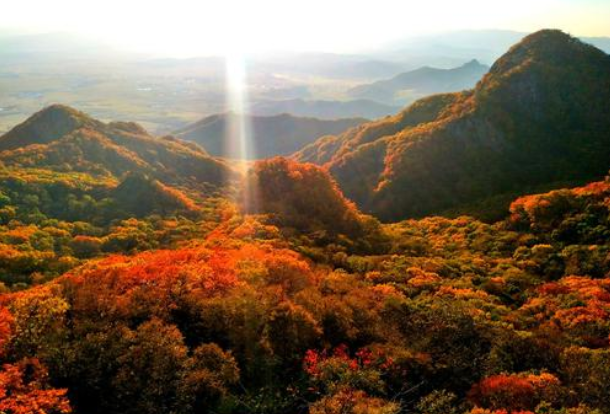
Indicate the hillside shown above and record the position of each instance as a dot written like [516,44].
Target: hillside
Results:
[73,188]
[358,108]
[330,147]
[63,139]
[140,196]
[526,124]
[408,86]
[461,317]
[270,135]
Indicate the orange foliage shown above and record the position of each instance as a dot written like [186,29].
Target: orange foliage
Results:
[20,234]
[542,210]
[181,198]
[303,196]
[479,410]
[149,280]
[24,390]
[153,282]
[462,293]
[574,303]
[514,391]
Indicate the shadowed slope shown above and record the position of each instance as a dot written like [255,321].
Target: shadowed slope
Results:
[540,116]
[271,135]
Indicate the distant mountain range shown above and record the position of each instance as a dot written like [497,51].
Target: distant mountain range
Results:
[408,86]
[327,65]
[484,45]
[539,117]
[357,108]
[270,135]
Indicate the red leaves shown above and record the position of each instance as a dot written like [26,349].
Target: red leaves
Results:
[153,283]
[149,282]
[514,391]
[24,390]
[311,361]
[577,305]
[315,363]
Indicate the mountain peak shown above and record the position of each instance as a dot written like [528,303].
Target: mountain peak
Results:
[59,114]
[545,37]
[472,64]
[46,125]
[548,46]
[539,70]
[60,109]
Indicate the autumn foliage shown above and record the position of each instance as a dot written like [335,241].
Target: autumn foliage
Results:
[453,315]
[515,391]
[292,301]
[24,390]
[304,197]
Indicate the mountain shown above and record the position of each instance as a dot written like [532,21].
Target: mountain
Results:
[271,135]
[358,108]
[408,86]
[327,65]
[61,138]
[539,117]
[293,64]
[47,126]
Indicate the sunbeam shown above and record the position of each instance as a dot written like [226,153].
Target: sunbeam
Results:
[238,139]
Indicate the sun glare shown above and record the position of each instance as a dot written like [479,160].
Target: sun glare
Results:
[238,140]
[238,143]
[187,28]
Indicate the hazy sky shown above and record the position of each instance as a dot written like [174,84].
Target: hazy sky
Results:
[191,27]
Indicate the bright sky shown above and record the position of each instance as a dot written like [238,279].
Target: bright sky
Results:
[192,27]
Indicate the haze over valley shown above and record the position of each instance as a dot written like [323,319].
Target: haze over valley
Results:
[166,94]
